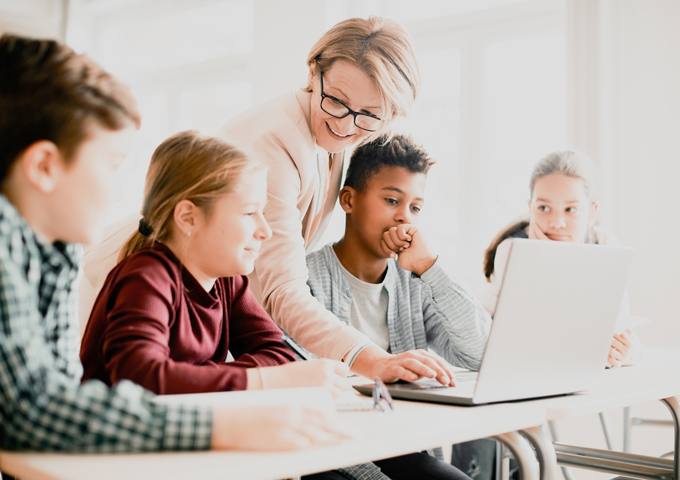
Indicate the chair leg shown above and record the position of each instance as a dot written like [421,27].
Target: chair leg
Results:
[566,471]
[627,429]
[606,429]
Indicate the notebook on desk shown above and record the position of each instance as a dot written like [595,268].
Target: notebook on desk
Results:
[552,329]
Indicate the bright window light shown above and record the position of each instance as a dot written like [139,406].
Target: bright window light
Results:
[523,119]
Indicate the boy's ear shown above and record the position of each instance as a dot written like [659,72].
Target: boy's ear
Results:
[346,198]
[185,216]
[42,163]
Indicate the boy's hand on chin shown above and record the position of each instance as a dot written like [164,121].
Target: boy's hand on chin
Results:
[408,245]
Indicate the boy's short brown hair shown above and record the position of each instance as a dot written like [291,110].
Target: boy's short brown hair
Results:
[48,92]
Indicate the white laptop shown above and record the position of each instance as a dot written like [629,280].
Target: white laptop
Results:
[552,329]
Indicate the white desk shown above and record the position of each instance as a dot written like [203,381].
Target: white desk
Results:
[656,378]
[410,427]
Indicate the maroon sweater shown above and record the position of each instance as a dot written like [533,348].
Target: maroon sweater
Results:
[154,324]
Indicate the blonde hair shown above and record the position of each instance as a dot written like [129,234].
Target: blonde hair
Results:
[381,49]
[186,166]
[570,163]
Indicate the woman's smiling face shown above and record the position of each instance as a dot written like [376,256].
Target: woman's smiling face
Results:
[353,88]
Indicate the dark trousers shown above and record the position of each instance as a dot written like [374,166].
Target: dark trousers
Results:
[476,458]
[479,459]
[418,465]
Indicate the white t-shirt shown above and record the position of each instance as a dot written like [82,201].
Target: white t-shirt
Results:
[369,309]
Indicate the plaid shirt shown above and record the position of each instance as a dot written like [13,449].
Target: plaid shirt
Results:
[43,405]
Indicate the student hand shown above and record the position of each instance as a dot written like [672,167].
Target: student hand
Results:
[536,233]
[408,245]
[312,373]
[409,366]
[620,348]
[278,427]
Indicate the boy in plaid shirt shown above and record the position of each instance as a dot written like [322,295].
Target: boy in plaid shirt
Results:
[65,127]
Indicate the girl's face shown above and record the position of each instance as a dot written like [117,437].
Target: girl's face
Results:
[227,242]
[560,208]
[354,89]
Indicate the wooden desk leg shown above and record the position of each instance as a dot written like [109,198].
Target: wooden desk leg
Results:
[547,459]
[674,406]
[523,453]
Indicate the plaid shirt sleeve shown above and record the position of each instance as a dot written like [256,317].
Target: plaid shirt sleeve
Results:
[43,406]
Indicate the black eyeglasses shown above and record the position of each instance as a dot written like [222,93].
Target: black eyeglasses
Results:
[335,108]
[380,391]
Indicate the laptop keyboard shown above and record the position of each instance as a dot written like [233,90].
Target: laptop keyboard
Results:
[463,379]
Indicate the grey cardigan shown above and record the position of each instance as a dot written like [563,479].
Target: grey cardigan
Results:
[433,311]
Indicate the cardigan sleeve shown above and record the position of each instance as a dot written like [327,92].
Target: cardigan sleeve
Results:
[456,325]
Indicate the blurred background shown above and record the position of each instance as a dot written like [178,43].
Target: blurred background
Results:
[504,83]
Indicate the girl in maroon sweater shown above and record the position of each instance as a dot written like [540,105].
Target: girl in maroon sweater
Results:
[178,300]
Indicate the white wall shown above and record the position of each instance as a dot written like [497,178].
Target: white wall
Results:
[37,18]
[625,111]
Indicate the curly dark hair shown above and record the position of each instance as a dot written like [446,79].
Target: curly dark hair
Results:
[395,151]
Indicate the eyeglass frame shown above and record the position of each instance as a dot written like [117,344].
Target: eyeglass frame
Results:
[380,391]
[349,110]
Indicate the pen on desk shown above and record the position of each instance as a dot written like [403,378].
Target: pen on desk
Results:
[294,346]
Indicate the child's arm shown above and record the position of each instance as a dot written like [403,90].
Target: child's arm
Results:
[457,326]
[254,338]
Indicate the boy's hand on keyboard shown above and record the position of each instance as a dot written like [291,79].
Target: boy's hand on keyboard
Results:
[414,365]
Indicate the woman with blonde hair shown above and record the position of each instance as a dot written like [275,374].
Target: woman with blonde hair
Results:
[562,207]
[362,75]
